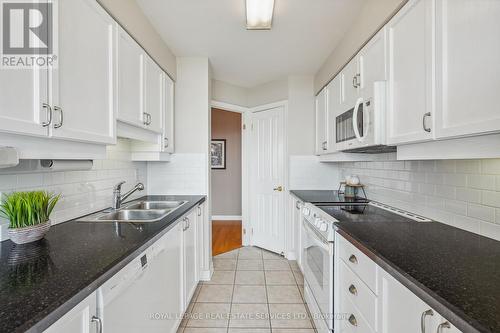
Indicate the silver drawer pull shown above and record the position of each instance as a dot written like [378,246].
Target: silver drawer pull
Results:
[443,325]
[353,290]
[427,129]
[353,259]
[422,319]
[352,320]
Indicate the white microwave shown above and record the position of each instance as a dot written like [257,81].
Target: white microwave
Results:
[362,128]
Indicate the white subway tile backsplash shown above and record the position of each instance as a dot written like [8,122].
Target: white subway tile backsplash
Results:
[463,193]
[82,192]
[480,212]
[481,182]
[490,167]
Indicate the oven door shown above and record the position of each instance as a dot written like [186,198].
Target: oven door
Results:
[317,261]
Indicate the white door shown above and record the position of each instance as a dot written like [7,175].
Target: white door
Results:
[267,180]
[168,124]
[153,95]
[190,257]
[350,84]
[130,79]
[83,84]
[321,108]
[410,74]
[333,110]
[80,319]
[467,67]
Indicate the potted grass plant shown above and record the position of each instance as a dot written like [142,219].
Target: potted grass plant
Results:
[29,214]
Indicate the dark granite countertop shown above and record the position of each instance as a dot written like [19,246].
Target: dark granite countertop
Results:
[43,281]
[319,196]
[454,271]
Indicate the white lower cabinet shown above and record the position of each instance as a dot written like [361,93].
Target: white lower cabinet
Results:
[387,307]
[150,293]
[81,319]
[190,263]
[295,219]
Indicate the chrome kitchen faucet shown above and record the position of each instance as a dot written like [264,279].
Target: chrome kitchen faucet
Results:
[118,198]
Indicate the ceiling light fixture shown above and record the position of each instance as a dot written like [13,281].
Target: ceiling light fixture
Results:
[259,14]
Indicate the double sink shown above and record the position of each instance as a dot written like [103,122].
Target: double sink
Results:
[137,212]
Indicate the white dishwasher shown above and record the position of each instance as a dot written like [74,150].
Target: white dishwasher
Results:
[139,298]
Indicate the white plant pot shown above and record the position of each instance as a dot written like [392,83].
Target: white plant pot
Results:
[29,234]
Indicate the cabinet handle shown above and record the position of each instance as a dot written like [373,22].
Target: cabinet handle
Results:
[98,321]
[355,81]
[422,319]
[324,145]
[150,121]
[199,211]
[187,224]
[352,320]
[297,205]
[443,325]
[48,116]
[353,259]
[61,116]
[353,290]
[145,118]
[427,129]
[166,142]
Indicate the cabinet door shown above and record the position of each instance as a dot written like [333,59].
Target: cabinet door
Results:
[153,95]
[169,109]
[23,94]
[130,80]
[78,319]
[83,84]
[333,110]
[467,70]
[321,108]
[410,73]
[350,84]
[190,258]
[372,63]
[396,318]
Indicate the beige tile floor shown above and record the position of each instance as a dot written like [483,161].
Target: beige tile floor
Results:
[251,291]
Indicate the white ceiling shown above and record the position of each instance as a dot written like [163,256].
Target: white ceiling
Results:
[304,33]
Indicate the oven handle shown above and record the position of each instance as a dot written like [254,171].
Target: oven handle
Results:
[355,121]
[324,245]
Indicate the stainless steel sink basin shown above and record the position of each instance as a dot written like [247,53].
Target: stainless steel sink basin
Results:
[155,205]
[131,215]
[136,212]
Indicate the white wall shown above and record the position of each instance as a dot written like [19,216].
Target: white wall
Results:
[270,92]
[130,16]
[307,173]
[462,193]
[228,93]
[83,192]
[372,16]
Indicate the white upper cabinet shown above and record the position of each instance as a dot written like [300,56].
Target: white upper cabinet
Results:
[130,80]
[410,50]
[372,64]
[83,84]
[24,102]
[351,82]
[169,107]
[321,124]
[153,95]
[467,67]
[333,110]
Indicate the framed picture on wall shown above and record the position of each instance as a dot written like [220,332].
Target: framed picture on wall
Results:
[218,153]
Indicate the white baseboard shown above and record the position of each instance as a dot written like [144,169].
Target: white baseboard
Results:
[226,218]
[291,255]
[205,275]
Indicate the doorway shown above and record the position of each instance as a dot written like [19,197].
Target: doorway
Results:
[226,180]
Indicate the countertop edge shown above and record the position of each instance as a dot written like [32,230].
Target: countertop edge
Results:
[463,322]
[47,320]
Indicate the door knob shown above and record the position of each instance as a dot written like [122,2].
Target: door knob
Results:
[279,188]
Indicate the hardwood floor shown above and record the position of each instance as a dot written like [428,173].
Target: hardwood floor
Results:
[226,236]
